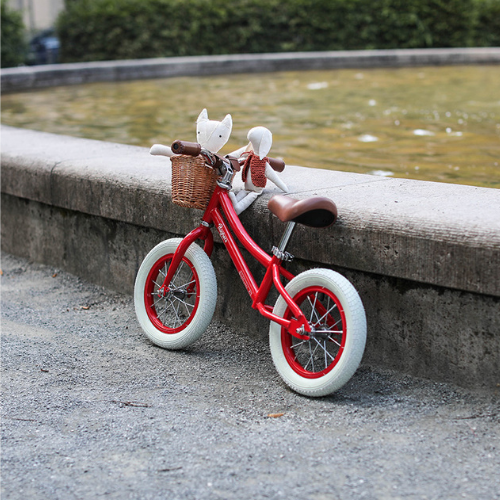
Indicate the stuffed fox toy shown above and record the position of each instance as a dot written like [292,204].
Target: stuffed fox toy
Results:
[211,134]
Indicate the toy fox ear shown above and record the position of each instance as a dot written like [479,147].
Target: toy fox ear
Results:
[228,122]
[203,116]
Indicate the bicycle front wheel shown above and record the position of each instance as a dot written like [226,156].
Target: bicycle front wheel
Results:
[178,317]
[323,363]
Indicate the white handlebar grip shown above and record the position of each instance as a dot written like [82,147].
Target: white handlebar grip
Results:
[160,150]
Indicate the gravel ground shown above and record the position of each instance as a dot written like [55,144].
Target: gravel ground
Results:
[92,409]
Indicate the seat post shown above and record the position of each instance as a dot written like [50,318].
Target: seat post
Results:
[280,251]
[286,236]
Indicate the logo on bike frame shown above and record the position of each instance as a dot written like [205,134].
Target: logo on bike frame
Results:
[220,227]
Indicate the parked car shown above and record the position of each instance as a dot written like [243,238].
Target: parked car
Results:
[44,48]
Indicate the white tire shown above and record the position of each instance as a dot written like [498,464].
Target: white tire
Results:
[179,318]
[323,363]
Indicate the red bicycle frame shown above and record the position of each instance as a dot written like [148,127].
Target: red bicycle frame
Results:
[298,326]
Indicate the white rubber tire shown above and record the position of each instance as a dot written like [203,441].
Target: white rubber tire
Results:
[355,340]
[206,302]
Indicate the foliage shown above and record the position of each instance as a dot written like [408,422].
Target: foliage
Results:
[12,38]
[123,29]
[488,24]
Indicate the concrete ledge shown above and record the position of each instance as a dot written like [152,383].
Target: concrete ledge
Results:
[424,256]
[16,79]
[441,234]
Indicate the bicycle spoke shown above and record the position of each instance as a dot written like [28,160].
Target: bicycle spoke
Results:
[172,311]
[319,321]
[328,311]
[311,356]
[177,321]
[334,341]
[300,348]
[313,307]
[160,314]
[181,287]
[299,344]
[168,311]
[186,304]
[156,302]
[336,323]
[317,353]
[177,272]
[324,349]
[316,357]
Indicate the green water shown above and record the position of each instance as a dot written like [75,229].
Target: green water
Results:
[438,124]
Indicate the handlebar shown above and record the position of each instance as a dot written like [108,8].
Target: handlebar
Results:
[194,149]
[186,148]
[212,159]
[215,160]
[276,164]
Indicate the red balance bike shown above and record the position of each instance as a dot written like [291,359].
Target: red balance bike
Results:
[317,328]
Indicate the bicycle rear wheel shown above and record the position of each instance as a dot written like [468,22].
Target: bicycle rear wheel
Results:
[178,317]
[323,363]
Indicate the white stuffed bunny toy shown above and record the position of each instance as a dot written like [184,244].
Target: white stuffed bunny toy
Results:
[256,168]
[211,134]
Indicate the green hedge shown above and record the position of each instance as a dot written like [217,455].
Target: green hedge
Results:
[488,24]
[121,29]
[12,38]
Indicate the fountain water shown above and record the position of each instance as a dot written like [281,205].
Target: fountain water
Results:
[428,123]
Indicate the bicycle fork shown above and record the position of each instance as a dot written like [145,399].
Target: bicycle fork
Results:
[298,325]
[202,232]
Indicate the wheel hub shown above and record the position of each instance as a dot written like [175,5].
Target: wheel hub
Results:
[318,334]
[166,293]
[179,293]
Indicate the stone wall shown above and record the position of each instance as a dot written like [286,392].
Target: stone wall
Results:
[425,257]
[15,79]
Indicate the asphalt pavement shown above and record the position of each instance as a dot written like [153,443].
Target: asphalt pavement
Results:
[91,409]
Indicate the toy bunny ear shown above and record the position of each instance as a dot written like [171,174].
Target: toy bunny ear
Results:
[203,116]
[228,122]
[265,145]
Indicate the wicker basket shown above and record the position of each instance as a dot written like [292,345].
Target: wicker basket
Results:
[192,181]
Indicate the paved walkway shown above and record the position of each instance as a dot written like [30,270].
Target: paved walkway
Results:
[91,409]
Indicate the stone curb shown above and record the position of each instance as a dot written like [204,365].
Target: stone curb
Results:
[441,234]
[23,78]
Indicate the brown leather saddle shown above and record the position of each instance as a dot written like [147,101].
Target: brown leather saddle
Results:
[314,212]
